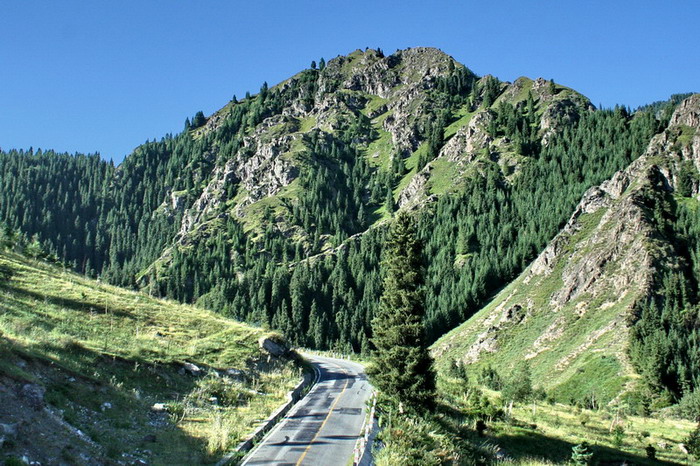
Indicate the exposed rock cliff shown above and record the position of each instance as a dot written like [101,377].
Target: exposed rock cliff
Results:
[392,91]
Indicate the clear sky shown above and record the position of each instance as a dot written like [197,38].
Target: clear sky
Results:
[105,76]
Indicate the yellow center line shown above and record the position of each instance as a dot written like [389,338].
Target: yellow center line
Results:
[347,379]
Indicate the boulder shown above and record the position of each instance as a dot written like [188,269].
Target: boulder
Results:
[159,408]
[275,348]
[8,430]
[192,369]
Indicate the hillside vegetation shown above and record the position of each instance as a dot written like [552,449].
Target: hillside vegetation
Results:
[592,350]
[94,374]
[273,209]
[560,267]
[615,293]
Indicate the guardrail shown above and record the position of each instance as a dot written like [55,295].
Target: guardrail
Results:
[362,455]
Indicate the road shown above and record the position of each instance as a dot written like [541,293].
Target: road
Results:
[323,427]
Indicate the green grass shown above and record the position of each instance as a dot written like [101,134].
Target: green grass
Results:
[576,352]
[463,116]
[373,105]
[544,433]
[307,124]
[380,150]
[443,176]
[88,343]
[411,164]
[687,133]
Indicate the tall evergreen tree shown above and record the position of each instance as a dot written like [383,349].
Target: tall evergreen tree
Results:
[402,366]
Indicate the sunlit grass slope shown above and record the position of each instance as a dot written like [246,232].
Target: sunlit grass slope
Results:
[106,355]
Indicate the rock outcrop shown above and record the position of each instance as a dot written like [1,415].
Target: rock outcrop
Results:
[274,346]
[268,161]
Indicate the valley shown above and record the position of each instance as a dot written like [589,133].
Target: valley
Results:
[550,289]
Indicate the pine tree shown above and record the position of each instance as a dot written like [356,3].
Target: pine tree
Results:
[402,367]
[389,204]
[581,454]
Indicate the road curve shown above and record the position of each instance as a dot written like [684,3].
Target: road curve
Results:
[323,427]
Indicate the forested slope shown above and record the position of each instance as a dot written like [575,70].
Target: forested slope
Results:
[614,296]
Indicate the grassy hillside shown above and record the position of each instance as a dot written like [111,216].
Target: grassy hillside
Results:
[79,354]
[544,432]
[560,355]
[576,348]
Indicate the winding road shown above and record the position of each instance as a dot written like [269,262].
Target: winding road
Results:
[323,427]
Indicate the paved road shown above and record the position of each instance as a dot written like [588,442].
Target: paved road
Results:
[324,426]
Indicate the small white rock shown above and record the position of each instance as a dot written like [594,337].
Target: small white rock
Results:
[159,407]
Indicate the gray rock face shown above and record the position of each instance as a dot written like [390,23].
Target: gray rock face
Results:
[8,430]
[624,233]
[192,369]
[261,168]
[470,140]
[416,189]
[8,433]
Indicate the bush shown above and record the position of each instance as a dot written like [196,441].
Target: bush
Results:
[540,394]
[651,452]
[689,406]
[458,370]
[14,461]
[491,378]
[480,427]
[519,386]
[618,435]
[692,443]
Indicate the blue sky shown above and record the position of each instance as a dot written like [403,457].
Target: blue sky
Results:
[99,76]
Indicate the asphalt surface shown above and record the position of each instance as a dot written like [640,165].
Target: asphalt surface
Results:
[323,427]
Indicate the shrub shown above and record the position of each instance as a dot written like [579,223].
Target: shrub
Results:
[651,452]
[491,378]
[518,387]
[480,427]
[689,406]
[618,435]
[14,461]
[584,419]
[458,371]
[581,454]
[692,443]
[6,272]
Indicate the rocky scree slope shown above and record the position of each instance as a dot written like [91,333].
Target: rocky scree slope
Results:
[569,313]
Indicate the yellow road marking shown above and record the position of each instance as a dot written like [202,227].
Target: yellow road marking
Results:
[347,379]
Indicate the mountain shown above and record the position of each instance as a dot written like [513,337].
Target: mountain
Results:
[615,294]
[273,209]
[94,374]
